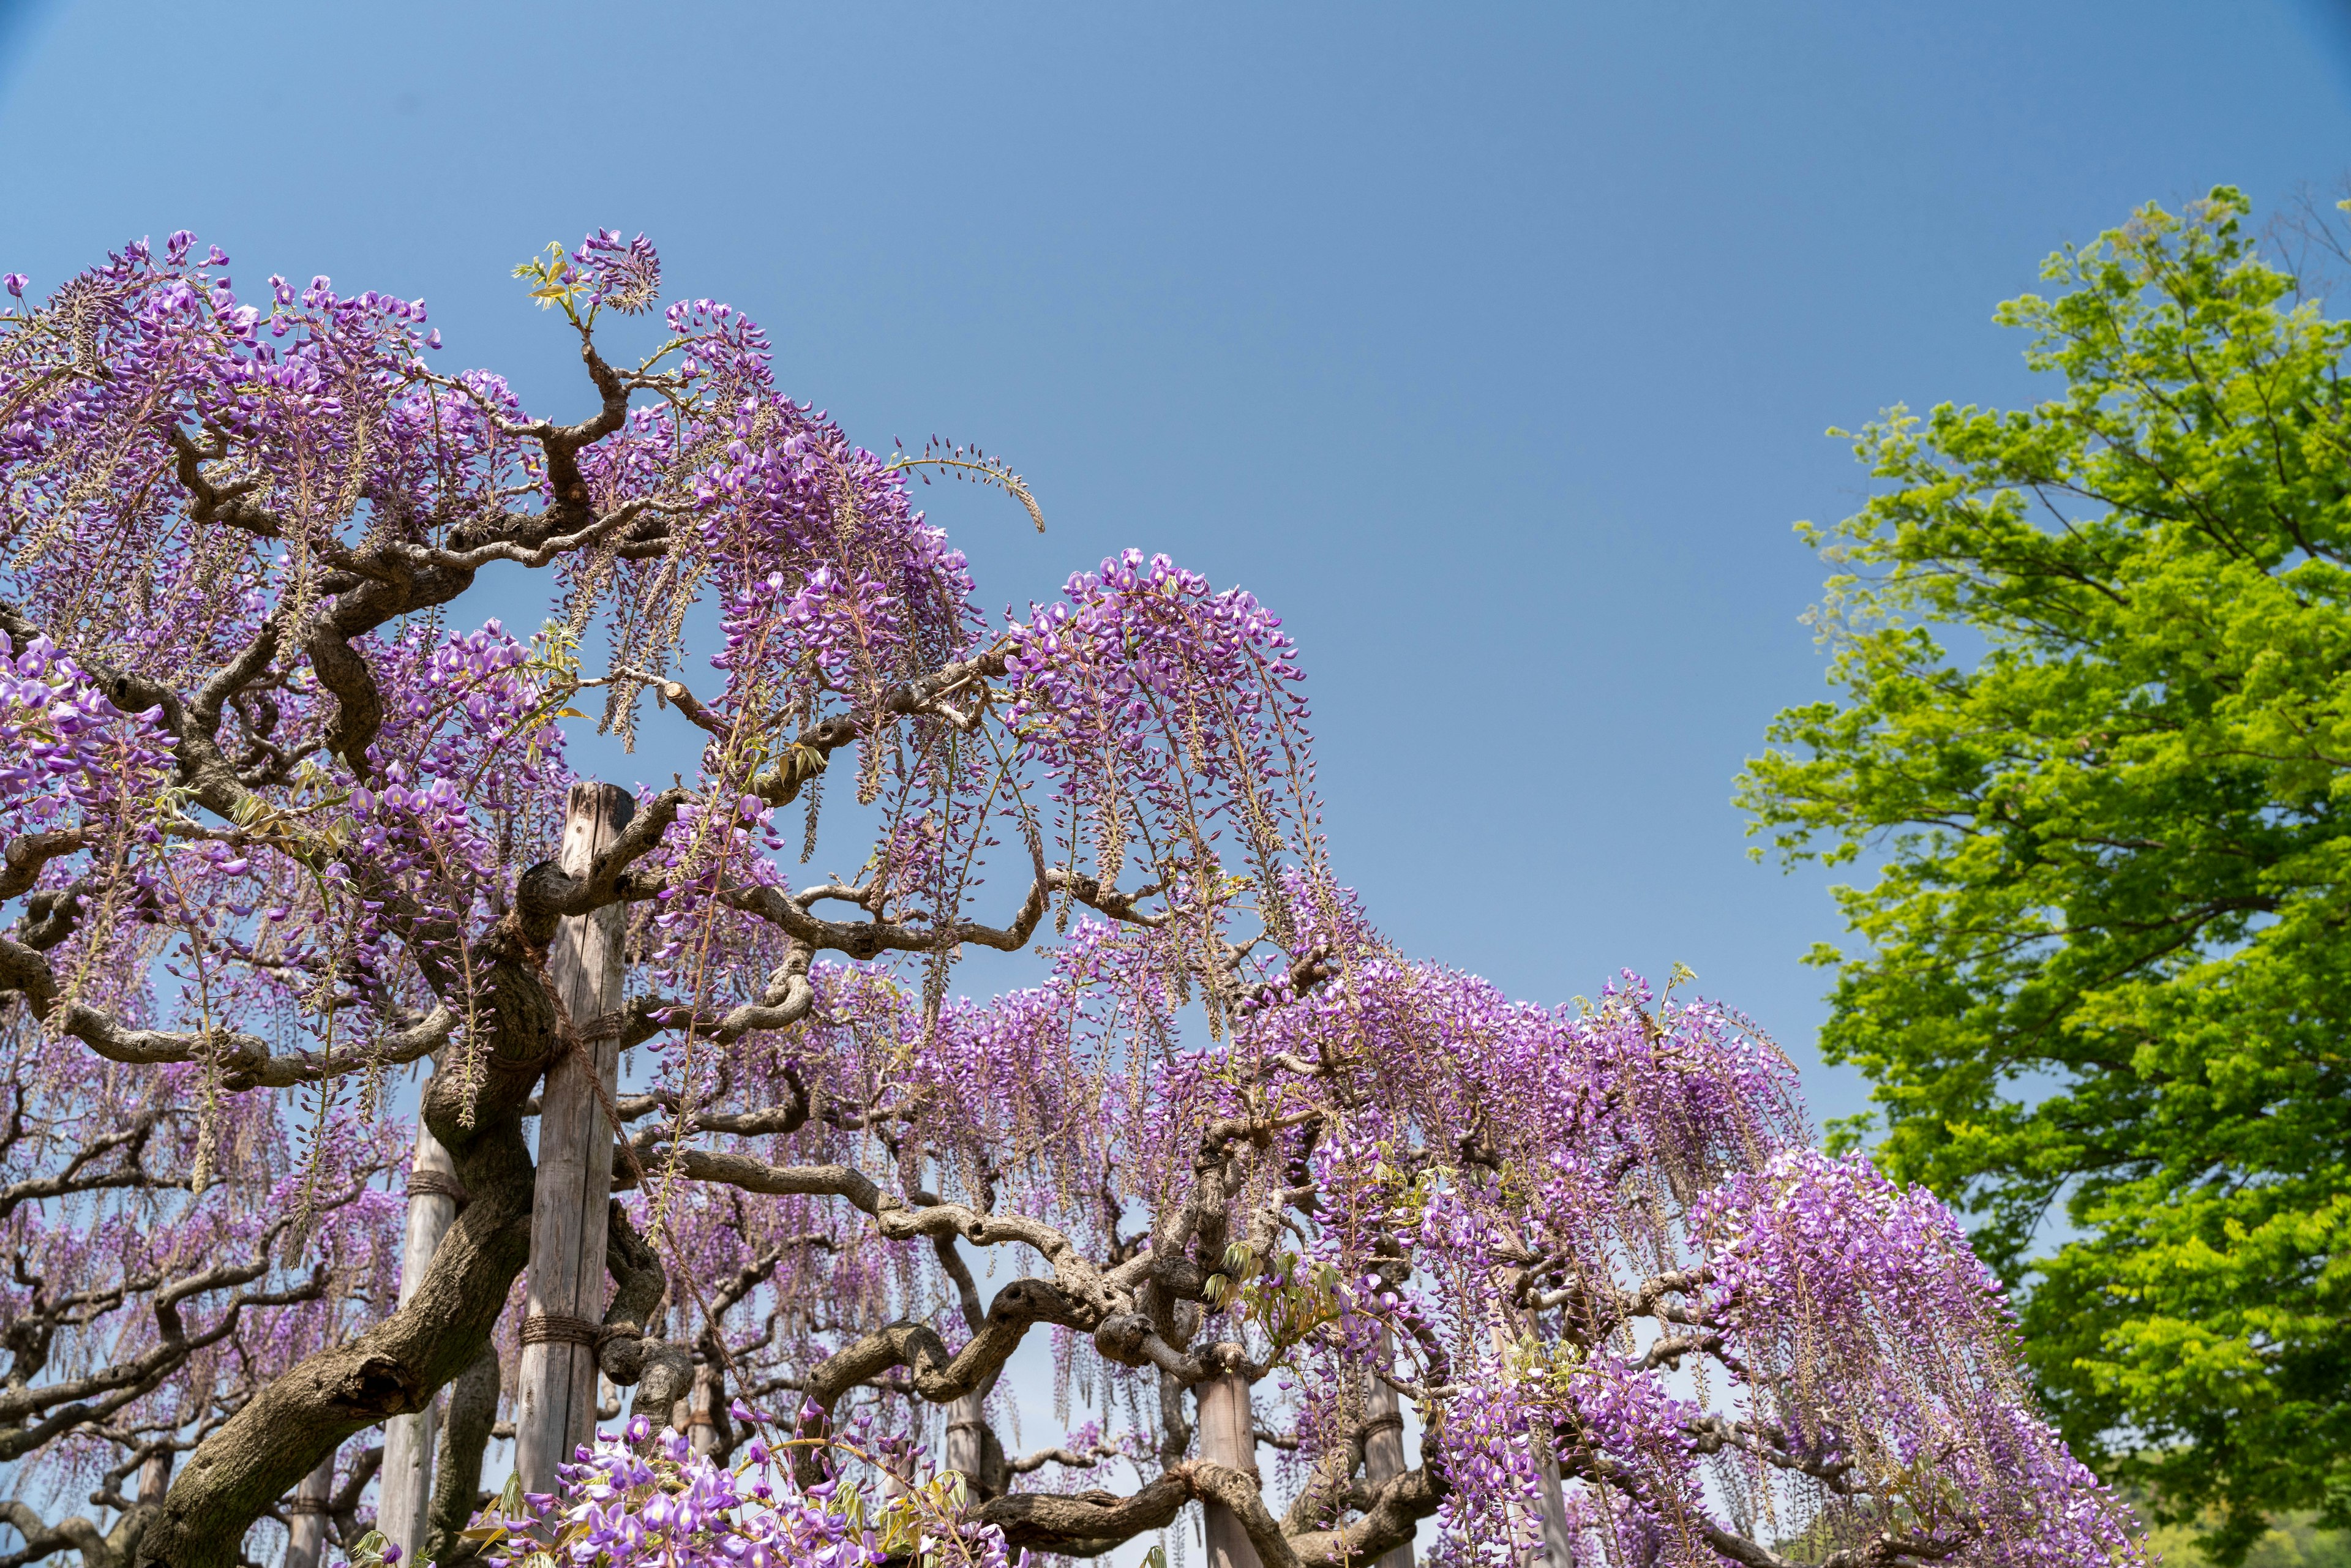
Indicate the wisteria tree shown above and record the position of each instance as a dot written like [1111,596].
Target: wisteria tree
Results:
[287,830]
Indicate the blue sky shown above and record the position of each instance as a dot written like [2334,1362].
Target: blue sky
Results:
[1491,345]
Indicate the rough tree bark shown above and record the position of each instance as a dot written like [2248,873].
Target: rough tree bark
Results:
[457,1474]
[408,1440]
[555,1409]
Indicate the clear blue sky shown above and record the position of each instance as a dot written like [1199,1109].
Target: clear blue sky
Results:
[1492,345]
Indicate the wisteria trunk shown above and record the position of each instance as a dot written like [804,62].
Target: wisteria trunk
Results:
[457,1471]
[555,1397]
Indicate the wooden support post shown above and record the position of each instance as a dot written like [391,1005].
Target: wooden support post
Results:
[701,1410]
[306,1536]
[155,1477]
[1228,1437]
[1384,1446]
[966,1446]
[1558,1549]
[405,1490]
[555,1405]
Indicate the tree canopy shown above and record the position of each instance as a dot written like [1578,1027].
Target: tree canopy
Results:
[2092,741]
[281,828]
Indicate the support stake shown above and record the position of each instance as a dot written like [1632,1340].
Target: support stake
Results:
[1228,1437]
[556,1407]
[406,1488]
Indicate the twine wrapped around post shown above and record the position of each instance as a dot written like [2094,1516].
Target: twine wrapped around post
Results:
[306,1520]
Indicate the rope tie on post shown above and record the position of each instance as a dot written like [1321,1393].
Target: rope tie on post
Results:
[558,1328]
[604,1026]
[436,1185]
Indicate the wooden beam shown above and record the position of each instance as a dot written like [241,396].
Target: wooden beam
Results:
[1384,1446]
[406,1488]
[556,1403]
[305,1541]
[1228,1437]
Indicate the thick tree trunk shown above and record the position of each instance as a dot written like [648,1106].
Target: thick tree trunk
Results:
[458,1476]
[408,1440]
[1384,1446]
[305,1541]
[302,1415]
[1228,1437]
[556,1389]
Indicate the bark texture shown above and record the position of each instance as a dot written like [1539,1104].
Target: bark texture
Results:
[457,1468]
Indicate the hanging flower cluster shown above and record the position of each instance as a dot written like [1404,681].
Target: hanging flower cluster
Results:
[65,750]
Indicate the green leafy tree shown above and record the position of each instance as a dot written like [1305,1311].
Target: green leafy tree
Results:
[2092,740]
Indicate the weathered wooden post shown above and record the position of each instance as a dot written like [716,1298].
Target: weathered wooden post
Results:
[406,1488]
[556,1402]
[155,1476]
[701,1411]
[305,1525]
[1228,1437]
[967,1439]
[1383,1443]
[967,1444]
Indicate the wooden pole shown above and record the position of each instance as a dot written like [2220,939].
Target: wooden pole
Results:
[1228,1437]
[305,1534]
[1557,1547]
[406,1489]
[155,1476]
[966,1445]
[555,1405]
[1384,1446]
[701,1406]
